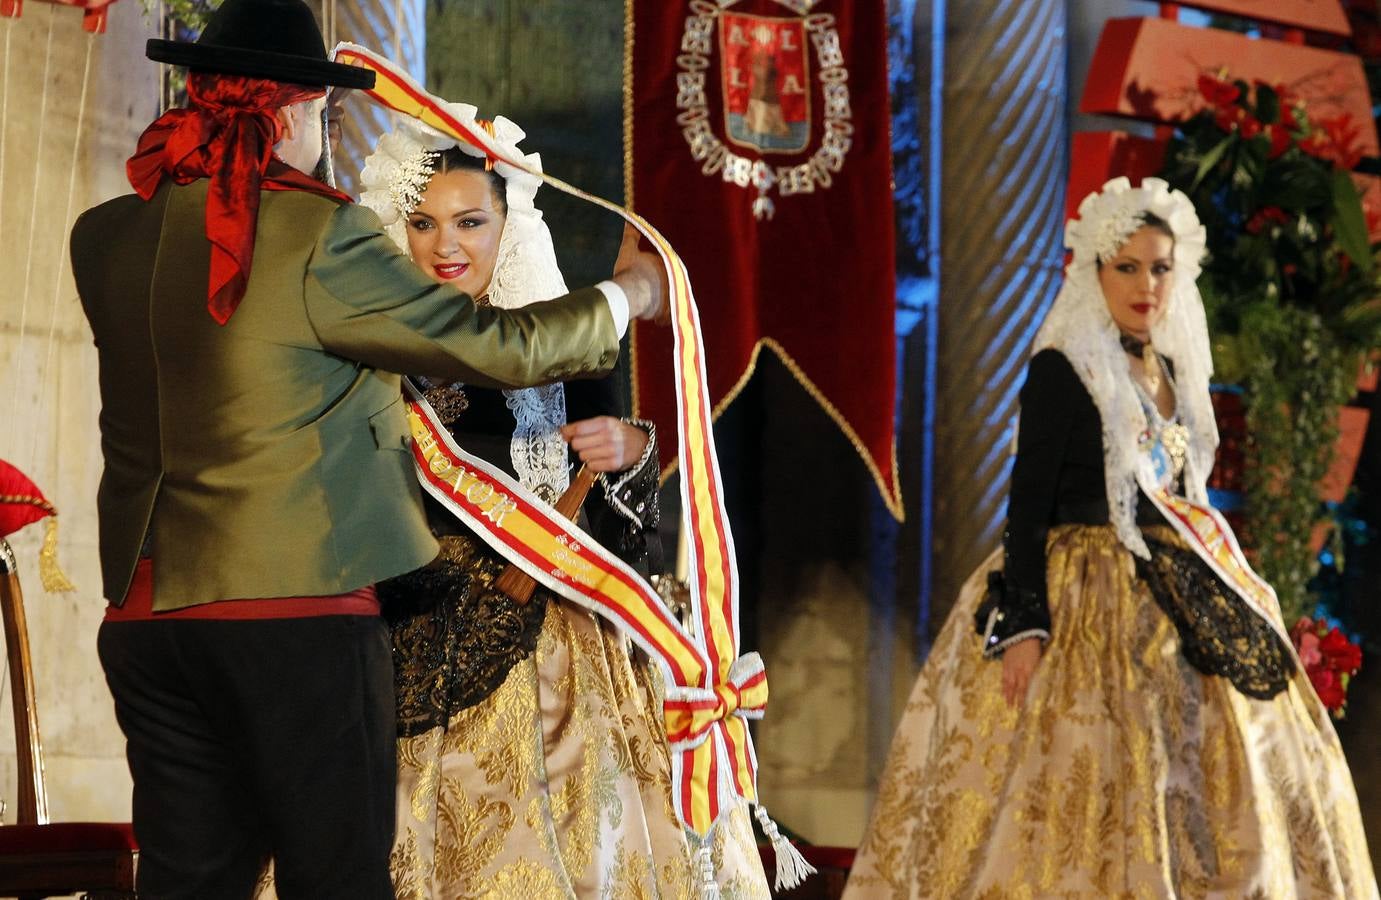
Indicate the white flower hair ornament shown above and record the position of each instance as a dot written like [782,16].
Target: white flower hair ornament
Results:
[1107,218]
[1080,326]
[525,269]
[397,173]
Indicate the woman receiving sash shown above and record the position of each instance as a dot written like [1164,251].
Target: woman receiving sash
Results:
[1130,719]
[532,755]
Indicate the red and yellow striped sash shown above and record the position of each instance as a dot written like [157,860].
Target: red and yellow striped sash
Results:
[713,760]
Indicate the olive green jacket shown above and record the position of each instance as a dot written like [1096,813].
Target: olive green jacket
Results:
[268,457]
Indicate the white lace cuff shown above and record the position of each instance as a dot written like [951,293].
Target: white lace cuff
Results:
[993,648]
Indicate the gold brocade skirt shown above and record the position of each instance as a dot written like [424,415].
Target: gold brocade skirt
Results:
[1126,773]
[557,785]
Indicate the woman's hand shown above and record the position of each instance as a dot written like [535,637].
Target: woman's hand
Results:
[1018,665]
[606,444]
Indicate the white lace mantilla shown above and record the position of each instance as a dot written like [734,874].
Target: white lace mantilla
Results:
[525,270]
[1080,326]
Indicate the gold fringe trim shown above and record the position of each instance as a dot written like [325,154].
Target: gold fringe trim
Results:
[628,105]
[891,493]
[49,572]
[628,173]
[28,500]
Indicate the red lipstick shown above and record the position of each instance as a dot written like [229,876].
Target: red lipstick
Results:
[450,271]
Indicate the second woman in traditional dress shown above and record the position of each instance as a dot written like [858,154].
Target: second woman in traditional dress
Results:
[1131,719]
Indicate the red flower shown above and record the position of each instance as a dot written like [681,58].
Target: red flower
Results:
[1301,628]
[1340,654]
[1305,637]
[1280,139]
[1218,92]
[1317,145]
[1343,132]
[1308,646]
[1334,140]
[1235,118]
[1268,215]
[1329,687]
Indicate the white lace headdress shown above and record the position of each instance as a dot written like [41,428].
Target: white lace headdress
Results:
[525,270]
[1080,326]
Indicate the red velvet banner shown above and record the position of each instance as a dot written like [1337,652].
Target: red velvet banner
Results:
[758,141]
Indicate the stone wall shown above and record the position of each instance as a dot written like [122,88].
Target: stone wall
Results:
[60,156]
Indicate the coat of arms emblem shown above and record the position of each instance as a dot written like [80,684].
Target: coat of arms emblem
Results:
[775,75]
[766,79]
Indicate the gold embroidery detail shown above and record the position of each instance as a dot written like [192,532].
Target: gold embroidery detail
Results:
[1126,774]
[558,785]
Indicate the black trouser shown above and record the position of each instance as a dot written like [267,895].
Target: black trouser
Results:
[250,740]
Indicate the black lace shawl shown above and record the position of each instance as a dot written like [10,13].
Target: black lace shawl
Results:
[455,636]
[1058,479]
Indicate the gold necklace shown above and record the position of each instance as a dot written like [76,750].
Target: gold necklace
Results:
[1151,371]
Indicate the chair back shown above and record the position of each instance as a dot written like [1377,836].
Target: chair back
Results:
[32,806]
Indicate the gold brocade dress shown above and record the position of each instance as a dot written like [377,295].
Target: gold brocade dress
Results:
[556,785]
[532,758]
[1127,771]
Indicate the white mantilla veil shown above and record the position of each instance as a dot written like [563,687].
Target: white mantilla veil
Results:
[1080,326]
[525,270]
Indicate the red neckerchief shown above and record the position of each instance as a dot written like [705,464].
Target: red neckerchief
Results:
[227,134]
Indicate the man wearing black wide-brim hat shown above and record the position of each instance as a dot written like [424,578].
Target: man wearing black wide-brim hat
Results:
[258,479]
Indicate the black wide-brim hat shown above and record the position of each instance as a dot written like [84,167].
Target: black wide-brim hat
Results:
[274,39]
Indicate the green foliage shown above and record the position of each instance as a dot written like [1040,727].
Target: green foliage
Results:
[1291,288]
[187,16]
[1298,379]
[185,19]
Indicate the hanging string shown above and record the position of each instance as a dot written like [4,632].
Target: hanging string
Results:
[5,119]
[398,31]
[792,868]
[4,131]
[15,378]
[66,229]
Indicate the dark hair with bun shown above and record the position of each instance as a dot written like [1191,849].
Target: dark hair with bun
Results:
[456,159]
[1149,219]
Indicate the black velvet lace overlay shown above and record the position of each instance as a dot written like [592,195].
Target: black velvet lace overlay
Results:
[455,636]
[1219,633]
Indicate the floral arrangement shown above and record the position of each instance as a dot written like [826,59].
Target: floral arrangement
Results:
[1330,660]
[1290,287]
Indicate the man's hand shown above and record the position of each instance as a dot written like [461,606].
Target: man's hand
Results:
[1018,664]
[606,444]
[643,279]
